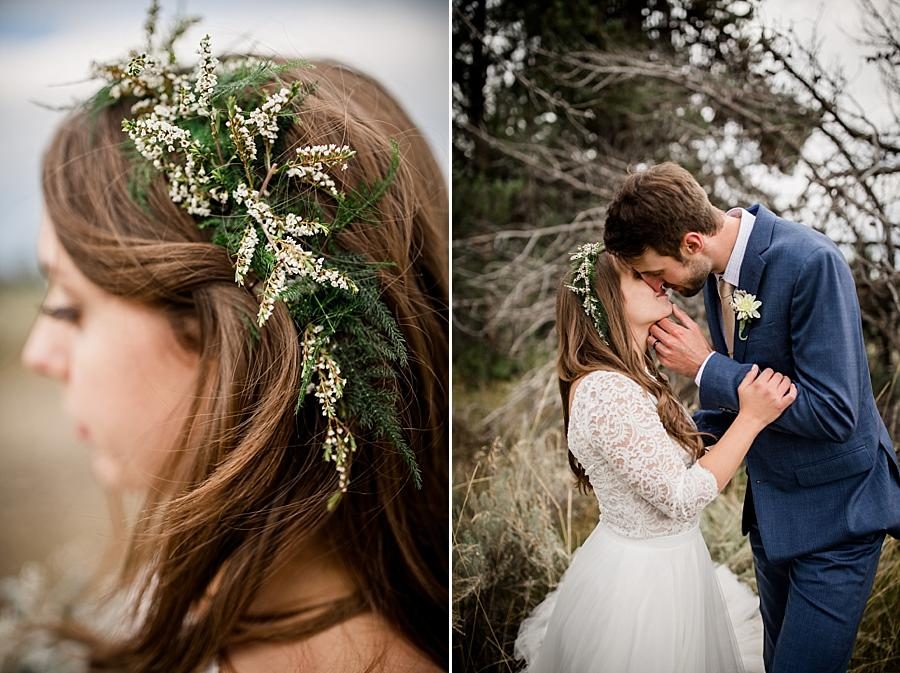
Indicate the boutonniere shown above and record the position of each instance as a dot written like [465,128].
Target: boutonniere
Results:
[746,308]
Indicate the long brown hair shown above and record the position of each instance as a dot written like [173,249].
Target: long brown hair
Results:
[248,486]
[582,350]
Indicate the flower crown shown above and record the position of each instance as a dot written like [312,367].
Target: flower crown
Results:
[214,133]
[583,261]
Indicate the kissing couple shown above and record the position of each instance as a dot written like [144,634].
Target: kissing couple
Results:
[784,388]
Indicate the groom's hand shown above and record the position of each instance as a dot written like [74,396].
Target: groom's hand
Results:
[681,348]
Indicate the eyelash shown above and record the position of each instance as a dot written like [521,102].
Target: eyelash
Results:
[64,313]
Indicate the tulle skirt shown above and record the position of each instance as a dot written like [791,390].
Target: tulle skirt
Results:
[652,605]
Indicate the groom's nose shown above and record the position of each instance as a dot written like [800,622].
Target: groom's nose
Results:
[653,282]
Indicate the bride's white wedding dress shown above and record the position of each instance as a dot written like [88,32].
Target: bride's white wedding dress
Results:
[641,595]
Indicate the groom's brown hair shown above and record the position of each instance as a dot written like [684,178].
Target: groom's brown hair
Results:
[655,208]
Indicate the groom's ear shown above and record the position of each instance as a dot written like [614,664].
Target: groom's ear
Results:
[692,243]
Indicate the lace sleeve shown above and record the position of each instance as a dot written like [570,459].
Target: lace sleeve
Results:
[624,429]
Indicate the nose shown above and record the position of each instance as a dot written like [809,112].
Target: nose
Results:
[654,283]
[45,350]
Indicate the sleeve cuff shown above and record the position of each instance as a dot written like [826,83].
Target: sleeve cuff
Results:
[710,482]
[702,367]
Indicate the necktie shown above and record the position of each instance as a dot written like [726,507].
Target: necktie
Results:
[726,290]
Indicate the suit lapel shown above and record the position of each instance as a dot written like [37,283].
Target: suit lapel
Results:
[752,268]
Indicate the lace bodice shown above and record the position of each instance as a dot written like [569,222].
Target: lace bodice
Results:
[647,484]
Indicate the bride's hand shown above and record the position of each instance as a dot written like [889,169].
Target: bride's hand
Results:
[764,395]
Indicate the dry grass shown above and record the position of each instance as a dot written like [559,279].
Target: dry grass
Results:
[512,538]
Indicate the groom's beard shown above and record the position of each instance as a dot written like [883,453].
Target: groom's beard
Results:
[698,272]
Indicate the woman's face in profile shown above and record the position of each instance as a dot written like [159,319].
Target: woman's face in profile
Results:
[127,381]
[644,305]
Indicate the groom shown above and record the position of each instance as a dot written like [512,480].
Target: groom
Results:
[823,485]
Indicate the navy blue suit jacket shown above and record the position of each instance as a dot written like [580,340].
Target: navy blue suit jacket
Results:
[826,470]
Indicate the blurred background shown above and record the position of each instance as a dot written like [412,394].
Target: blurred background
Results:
[48,499]
[794,105]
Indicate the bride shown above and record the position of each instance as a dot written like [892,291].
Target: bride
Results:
[640,594]
[246,314]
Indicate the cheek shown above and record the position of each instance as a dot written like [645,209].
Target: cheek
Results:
[636,294]
[628,300]
[642,306]
[131,385]
[698,272]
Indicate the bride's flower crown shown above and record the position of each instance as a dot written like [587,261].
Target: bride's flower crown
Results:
[213,132]
[583,260]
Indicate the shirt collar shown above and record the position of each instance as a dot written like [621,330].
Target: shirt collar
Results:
[732,273]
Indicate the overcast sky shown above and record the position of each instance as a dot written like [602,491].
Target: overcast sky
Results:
[838,25]
[48,43]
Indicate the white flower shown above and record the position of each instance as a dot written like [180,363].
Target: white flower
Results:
[292,260]
[245,253]
[185,98]
[241,136]
[220,195]
[139,75]
[297,227]
[265,117]
[241,193]
[746,308]
[141,106]
[313,160]
[328,388]
[206,77]
[159,141]
[153,135]
[136,65]
[274,286]
[745,305]
[330,154]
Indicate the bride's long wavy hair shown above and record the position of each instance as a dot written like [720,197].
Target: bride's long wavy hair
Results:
[581,351]
[248,485]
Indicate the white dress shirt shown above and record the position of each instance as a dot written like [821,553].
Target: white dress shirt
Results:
[732,273]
